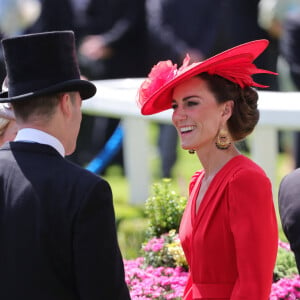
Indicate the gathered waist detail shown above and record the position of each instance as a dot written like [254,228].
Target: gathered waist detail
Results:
[212,290]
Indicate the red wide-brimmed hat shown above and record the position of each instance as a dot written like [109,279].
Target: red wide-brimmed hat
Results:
[235,64]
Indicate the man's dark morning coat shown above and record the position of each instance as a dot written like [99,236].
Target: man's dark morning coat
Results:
[57,229]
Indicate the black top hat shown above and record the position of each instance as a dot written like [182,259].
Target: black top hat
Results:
[42,64]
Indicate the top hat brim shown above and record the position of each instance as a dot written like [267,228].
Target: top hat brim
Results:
[85,88]
[161,98]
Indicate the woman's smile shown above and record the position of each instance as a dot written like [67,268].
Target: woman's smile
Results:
[186,129]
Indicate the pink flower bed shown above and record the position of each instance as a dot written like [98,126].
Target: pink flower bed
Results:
[155,244]
[168,283]
[284,245]
[286,289]
[154,283]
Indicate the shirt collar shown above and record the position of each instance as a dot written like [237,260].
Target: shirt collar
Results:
[38,136]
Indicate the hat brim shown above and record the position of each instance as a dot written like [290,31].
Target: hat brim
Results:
[161,99]
[84,87]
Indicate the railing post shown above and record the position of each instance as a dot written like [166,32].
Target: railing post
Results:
[136,146]
[264,149]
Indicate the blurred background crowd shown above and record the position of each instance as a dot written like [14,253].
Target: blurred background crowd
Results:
[125,38]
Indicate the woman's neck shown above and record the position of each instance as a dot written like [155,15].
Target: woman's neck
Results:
[213,161]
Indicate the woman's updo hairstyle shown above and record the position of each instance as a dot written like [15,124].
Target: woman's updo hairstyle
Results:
[245,114]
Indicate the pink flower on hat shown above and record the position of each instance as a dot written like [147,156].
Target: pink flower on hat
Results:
[160,74]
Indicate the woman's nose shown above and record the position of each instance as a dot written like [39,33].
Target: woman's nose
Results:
[179,115]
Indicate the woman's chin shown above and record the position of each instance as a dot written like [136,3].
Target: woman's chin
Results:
[187,147]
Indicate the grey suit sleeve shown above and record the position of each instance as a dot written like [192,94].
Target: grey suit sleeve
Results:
[97,259]
[289,210]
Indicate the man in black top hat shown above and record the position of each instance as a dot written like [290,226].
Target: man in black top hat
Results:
[57,225]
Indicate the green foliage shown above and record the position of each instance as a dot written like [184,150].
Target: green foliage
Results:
[126,211]
[285,264]
[131,235]
[119,185]
[164,209]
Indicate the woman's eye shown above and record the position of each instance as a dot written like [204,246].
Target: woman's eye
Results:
[174,105]
[192,103]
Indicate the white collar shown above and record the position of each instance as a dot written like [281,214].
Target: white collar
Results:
[38,136]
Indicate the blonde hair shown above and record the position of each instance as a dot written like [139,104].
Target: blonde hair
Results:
[6,115]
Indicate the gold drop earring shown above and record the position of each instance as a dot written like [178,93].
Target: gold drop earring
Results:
[223,141]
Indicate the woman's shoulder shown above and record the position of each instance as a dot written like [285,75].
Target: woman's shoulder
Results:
[242,163]
[246,169]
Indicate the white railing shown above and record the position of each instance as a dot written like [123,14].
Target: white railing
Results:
[116,98]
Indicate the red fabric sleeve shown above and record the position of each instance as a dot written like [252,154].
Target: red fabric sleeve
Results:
[254,227]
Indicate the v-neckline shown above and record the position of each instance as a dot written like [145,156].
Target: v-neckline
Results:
[196,213]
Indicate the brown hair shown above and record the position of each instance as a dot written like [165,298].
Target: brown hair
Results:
[44,106]
[245,114]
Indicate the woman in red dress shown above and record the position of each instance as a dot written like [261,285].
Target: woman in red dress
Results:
[229,228]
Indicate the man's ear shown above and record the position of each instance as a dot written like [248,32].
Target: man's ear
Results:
[65,104]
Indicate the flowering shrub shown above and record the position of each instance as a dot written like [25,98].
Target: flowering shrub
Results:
[164,251]
[287,283]
[164,209]
[286,289]
[154,283]
[284,245]
[285,263]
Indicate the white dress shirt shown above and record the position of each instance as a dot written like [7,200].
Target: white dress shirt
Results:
[31,135]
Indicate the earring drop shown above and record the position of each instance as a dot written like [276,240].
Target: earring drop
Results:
[223,141]
[191,151]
